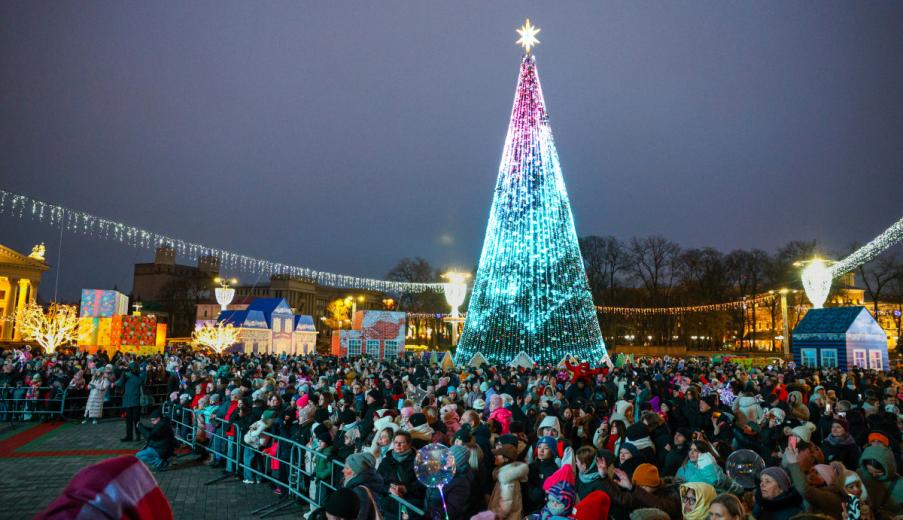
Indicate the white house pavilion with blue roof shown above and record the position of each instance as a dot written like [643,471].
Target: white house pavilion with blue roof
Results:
[268,326]
[840,337]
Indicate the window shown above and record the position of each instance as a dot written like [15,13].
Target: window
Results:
[354,347]
[875,359]
[373,347]
[808,357]
[859,358]
[390,347]
[829,358]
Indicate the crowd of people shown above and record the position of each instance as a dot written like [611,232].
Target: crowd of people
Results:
[647,440]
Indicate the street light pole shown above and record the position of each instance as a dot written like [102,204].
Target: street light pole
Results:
[455,292]
[784,321]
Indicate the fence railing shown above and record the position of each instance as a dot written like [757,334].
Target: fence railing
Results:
[288,465]
[26,403]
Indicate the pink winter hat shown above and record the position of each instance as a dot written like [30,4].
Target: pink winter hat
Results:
[564,474]
[302,401]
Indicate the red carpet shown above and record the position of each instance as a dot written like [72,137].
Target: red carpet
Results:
[10,445]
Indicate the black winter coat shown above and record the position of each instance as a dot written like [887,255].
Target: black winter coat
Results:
[457,498]
[782,507]
[160,437]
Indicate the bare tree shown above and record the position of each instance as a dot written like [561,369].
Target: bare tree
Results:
[603,259]
[417,270]
[878,275]
[654,265]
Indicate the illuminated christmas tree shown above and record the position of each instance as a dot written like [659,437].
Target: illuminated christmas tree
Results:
[531,293]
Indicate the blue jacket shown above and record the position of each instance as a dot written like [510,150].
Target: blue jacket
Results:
[132,384]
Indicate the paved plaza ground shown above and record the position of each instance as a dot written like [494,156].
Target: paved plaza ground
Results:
[37,460]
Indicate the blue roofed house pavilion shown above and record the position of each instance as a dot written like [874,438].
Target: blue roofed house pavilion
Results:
[841,337]
[269,326]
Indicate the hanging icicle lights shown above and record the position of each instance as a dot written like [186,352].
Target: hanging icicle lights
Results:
[23,206]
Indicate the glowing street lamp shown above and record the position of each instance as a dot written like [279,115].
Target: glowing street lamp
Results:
[455,291]
[224,293]
[817,277]
[352,300]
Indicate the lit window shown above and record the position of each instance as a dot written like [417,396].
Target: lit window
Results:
[808,357]
[373,347]
[354,347]
[829,358]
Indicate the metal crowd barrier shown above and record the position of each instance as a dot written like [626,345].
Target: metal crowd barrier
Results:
[295,476]
[153,393]
[23,403]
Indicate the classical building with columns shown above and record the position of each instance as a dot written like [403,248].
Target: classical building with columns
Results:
[20,276]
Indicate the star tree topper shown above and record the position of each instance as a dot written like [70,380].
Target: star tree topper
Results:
[528,34]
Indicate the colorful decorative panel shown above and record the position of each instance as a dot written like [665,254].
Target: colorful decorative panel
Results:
[100,303]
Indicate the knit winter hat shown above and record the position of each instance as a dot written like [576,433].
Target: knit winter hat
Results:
[879,437]
[779,475]
[479,404]
[302,401]
[344,504]
[631,448]
[563,474]
[593,506]
[549,441]
[842,422]
[564,493]
[462,458]
[804,431]
[268,415]
[646,475]
[358,462]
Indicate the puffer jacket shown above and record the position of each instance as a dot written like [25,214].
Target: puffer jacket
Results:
[506,501]
[886,493]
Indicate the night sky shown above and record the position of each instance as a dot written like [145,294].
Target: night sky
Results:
[344,136]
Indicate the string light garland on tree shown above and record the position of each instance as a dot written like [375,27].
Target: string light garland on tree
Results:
[52,329]
[531,293]
[672,311]
[218,337]
[23,206]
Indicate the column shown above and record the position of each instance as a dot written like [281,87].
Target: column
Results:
[15,287]
[9,304]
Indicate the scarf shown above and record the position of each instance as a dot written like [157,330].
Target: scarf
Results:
[589,476]
[844,440]
[402,457]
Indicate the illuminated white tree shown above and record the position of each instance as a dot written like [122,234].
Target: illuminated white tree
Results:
[218,337]
[52,329]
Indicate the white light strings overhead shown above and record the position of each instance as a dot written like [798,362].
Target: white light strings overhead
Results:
[23,206]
